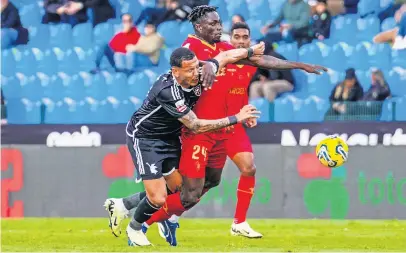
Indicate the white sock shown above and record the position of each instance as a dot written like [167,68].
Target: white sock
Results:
[174,219]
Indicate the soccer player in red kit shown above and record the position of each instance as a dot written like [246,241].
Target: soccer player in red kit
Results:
[204,155]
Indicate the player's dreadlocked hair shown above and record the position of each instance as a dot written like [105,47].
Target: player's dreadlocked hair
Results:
[200,11]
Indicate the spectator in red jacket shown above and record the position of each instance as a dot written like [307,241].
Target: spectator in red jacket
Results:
[128,36]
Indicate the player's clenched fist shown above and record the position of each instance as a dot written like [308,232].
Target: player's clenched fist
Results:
[252,122]
[247,112]
[259,48]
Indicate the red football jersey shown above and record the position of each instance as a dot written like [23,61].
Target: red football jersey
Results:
[212,103]
[237,92]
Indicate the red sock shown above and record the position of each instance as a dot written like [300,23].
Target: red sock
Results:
[173,205]
[245,192]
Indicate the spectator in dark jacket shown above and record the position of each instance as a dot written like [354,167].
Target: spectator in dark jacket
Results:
[102,10]
[64,11]
[173,10]
[12,31]
[379,90]
[347,91]
[270,83]
[321,22]
[351,6]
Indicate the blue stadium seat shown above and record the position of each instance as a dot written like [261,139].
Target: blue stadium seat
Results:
[139,85]
[97,89]
[102,33]
[364,78]
[305,111]
[255,27]
[238,7]
[30,87]
[83,35]
[117,85]
[401,109]
[300,80]
[319,85]
[68,60]
[337,58]
[67,111]
[290,51]
[222,8]
[11,88]
[359,57]
[399,58]
[46,61]
[396,81]
[262,105]
[343,29]
[335,76]
[387,110]
[58,87]
[77,88]
[134,8]
[86,58]
[170,30]
[113,111]
[186,28]
[23,111]
[25,61]
[366,7]
[367,28]
[283,110]
[39,36]
[310,53]
[380,56]
[8,63]
[90,111]
[259,10]
[61,36]
[30,15]
[388,24]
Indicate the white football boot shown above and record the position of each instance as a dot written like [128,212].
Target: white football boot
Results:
[244,229]
[117,213]
[137,238]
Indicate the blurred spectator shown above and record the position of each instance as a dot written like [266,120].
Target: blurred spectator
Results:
[173,10]
[270,83]
[12,31]
[296,14]
[379,90]
[391,9]
[149,45]
[237,18]
[347,91]
[395,36]
[351,6]
[102,10]
[321,21]
[118,44]
[3,110]
[64,11]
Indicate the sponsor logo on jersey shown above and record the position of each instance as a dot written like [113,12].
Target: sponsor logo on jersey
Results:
[197,90]
[180,106]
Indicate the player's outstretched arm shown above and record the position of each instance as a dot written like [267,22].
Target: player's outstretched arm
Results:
[270,62]
[234,55]
[191,121]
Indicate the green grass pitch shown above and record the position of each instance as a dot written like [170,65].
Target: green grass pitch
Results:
[93,235]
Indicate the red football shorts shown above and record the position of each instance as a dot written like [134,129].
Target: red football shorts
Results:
[211,150]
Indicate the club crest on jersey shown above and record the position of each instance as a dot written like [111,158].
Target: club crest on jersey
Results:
[180,106]
[197,90]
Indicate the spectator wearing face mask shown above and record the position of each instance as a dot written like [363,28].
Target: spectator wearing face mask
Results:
[321,21]
[12,31]
[118,45]
[149,44]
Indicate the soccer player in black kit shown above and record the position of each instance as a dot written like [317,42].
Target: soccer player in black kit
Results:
[153,132]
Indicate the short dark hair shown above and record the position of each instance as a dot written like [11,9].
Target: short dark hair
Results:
[200,11]
[240,25]
[179,55]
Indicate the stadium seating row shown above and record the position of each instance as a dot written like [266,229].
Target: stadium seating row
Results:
[112,110]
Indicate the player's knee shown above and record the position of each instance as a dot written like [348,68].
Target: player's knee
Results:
[248,169]
[158,199]
[190,198]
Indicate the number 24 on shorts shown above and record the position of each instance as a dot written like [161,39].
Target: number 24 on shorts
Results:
[199,150]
